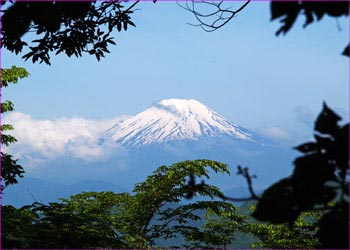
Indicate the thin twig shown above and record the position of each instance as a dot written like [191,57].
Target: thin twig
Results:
[219,12]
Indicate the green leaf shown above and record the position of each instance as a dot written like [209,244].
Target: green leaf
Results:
[5,127]
[10,170]
[7,139]
[7,106]
[12,75]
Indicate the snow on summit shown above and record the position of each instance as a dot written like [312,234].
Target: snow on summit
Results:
[174,119]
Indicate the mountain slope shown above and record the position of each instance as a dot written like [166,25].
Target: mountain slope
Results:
[174,119]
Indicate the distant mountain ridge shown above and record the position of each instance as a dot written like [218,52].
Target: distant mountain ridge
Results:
[174,120]
[29,190]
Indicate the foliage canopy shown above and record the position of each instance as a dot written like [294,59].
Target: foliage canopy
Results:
[154,211]
[72,28]
[10,170]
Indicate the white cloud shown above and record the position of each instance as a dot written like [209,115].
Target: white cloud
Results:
[40,140]
[274,133]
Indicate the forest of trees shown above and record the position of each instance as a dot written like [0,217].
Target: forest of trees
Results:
[152,215]
[308,209]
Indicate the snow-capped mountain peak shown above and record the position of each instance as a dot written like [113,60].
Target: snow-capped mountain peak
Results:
[174,119]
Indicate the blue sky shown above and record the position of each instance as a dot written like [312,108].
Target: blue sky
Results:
[242,71]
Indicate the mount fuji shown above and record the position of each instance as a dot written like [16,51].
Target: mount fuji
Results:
[174,130]
[174,120]
[170,131]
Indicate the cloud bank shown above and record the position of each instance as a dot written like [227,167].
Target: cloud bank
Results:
[77,138]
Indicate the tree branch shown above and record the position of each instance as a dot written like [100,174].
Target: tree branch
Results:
[193,187]
[216,18]
[248,177]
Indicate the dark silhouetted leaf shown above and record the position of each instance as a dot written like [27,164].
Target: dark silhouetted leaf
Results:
[131,23]
[341,149]
[309,147]
[326,122]
[334,228]
[346,51]
[277,204]
[310,174]
[323,142]
[279,9]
